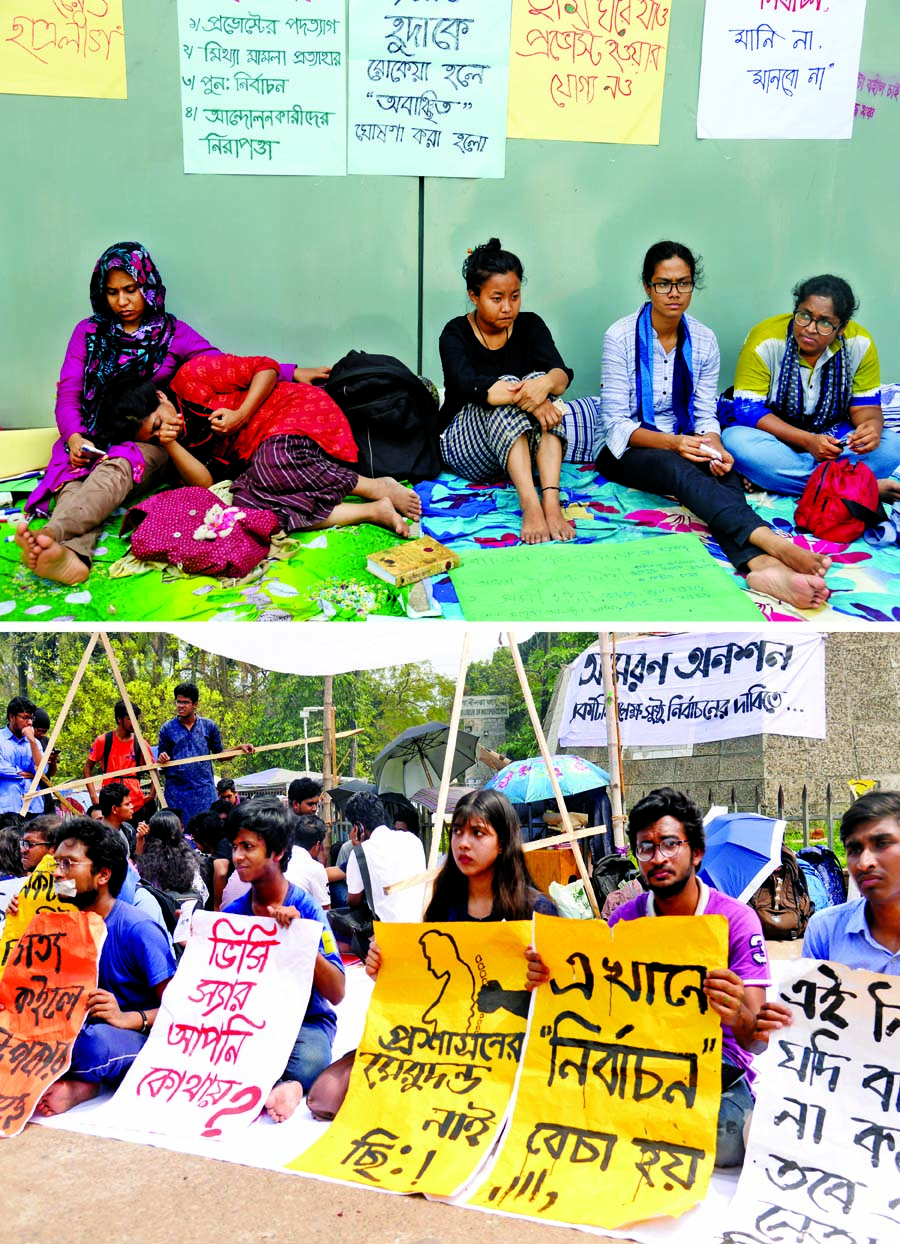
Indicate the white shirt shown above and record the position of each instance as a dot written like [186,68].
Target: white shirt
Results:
[309,875]
[392,855]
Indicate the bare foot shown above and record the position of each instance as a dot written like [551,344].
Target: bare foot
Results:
[889,489]
[55,561]
[803,591]
[534,524]
[283,1100]
[383,513]
[27,543]
[790,554]
[65,1094]
[404,500]
[557,524]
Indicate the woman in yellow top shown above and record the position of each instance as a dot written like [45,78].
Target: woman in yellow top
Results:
[808,390]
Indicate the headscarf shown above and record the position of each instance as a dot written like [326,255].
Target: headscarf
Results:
[111,352]
[833,404]
[682,378]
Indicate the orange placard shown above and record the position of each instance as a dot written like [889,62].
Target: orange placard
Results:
[43,1003]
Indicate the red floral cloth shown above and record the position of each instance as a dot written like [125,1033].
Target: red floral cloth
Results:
[219,382]
[192,528]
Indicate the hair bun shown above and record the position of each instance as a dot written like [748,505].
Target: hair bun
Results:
[492,244]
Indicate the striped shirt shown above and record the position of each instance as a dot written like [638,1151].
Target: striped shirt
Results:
[618,399]
[759,365]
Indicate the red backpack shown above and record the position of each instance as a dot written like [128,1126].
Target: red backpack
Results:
[840,501]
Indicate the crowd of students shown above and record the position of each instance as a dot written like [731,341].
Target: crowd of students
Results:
[143,395]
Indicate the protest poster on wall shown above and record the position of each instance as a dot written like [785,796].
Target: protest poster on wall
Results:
[36,895]
[53,48]
[43,1002]
[694,688]
[434,1072]
[587,72]
[263,88]
[428,90]
[617,1099]
[225,1029]
[779,68]
[822,1160]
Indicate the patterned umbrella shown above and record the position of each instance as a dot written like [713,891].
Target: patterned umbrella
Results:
[527,781]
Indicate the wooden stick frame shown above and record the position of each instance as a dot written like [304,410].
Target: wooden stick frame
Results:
[33,791]
[142,749]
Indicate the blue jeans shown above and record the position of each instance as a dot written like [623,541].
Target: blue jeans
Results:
[776,467]
[102,1054]
[310,1055]
[734,1111]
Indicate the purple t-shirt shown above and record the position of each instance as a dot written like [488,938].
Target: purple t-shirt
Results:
[746,951]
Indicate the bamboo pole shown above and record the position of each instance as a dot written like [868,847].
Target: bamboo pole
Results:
[613,745]
[444,789]
[568,832]
[142,749]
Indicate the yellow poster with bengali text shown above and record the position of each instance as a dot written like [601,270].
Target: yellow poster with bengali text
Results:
[615,1114]
[36,895]
[434,1072]
[63,47]
[580,71]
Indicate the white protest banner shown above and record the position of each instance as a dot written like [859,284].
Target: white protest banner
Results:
[693,688]
[779,68]
[428,90]
[263,88]
[822,1161]
[225,1029]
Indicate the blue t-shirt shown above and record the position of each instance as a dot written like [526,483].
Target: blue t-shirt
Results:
[190,788]
[319,1012]
[134,959]
[842,935]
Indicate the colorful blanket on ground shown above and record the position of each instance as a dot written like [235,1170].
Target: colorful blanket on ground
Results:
[326,576]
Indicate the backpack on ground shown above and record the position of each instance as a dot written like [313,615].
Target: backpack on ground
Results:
[840,501]
[815,885]
[609,871]
[828,867]
[392,415]
[782,902]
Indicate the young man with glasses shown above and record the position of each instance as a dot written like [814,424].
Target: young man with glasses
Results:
[190,788]
[20,753]
[38,840]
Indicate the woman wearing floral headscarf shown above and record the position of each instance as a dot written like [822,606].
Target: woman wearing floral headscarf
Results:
[130,335]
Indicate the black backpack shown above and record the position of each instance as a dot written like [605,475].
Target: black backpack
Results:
[609,871]
[393,416]
[170,902]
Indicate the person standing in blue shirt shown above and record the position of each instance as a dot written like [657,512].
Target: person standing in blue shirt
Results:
[190,788]
[865,933]
[20,753]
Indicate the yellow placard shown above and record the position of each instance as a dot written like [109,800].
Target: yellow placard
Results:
[434,1073]
[586,72]
[63,47]
[37,894]
[617,1102]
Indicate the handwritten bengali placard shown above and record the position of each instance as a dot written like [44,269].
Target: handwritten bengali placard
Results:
[225,1029]
[616,1105]
[824,1149]
[62,47]
[434,1072]
[43,1003]
[37,895]
[263,86]
[428,87]
[779,68]
[588,72]
[695,688]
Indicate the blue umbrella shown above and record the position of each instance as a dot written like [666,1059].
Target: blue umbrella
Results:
[742,850]
[527,781]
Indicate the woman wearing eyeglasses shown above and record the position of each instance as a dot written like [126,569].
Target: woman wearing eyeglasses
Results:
[808,390]
[661,433]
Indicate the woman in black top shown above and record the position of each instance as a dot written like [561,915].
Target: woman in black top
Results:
[501,372]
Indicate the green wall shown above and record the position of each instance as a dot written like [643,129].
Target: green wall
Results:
[307,268]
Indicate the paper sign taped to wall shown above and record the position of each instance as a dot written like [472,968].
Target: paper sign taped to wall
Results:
[57,47]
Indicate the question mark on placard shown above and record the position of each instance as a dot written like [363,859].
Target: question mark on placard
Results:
[249,1097]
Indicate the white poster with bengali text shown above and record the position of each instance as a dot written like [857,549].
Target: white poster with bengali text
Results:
[693,688]
[824,1148]
[263,86]
[428,87]
[225,1029]
[779,68]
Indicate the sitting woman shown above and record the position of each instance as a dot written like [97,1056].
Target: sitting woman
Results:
[164,858]
[130,336]
[288,447]
[658,407]
[484,876]
[501,369]
[808,390]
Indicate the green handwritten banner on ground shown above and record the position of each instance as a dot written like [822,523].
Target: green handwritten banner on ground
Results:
[617,1099]
[660,579]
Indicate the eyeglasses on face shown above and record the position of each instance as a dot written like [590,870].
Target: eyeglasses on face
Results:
[667,848]
[25,845]
[824,327]
[666,287]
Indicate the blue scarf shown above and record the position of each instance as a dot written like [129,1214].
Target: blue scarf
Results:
[682,379]
[835,389]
